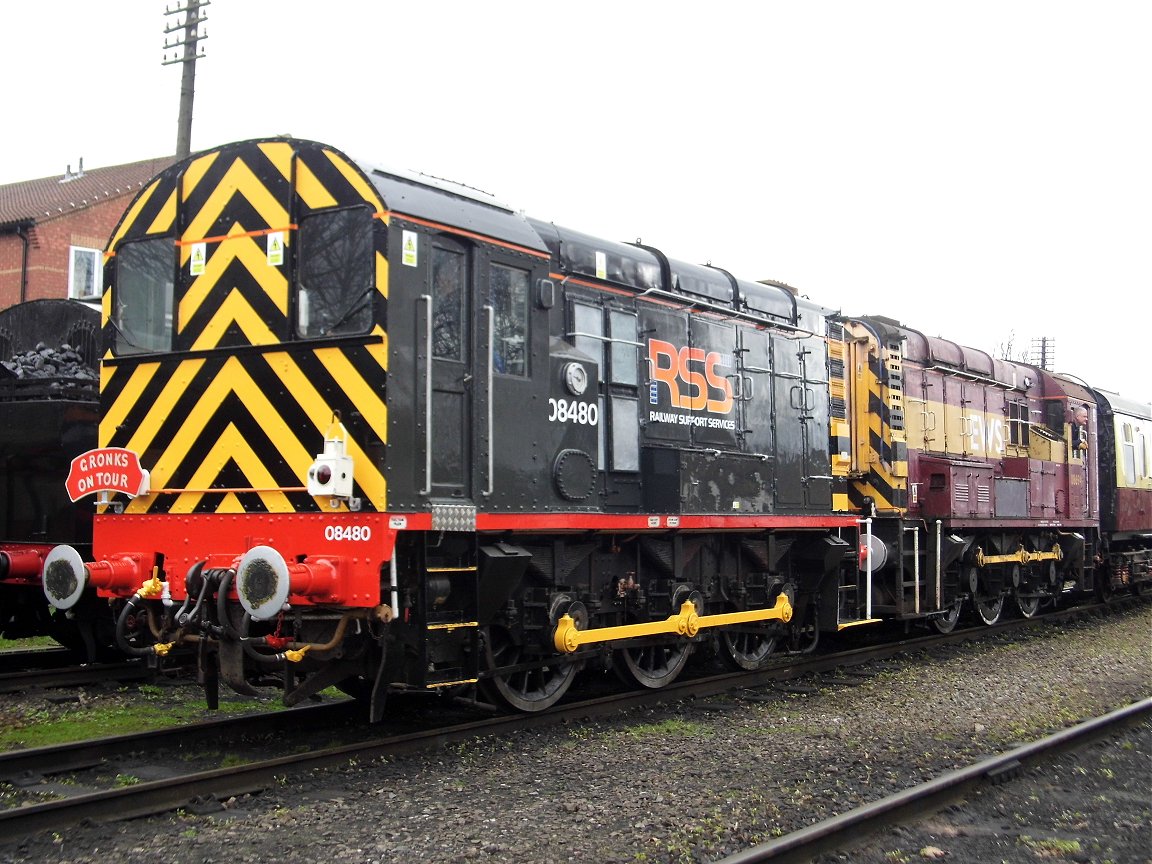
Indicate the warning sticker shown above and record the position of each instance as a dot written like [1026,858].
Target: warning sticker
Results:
[198,259]
[275,248]
[408,253]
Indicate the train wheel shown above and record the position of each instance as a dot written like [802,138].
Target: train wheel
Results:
[1029,605]
[989,608]
[652,666]
[748,650]
[533,689]
[946,623]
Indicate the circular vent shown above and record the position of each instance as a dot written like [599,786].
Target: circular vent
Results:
[575,474]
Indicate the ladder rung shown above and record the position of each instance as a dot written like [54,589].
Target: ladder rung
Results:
[455,625]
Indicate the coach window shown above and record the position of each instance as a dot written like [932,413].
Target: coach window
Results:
[334,273]
[1128,445]
[509,291]
[142,298]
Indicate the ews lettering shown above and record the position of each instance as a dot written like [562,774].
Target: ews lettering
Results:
[691,377]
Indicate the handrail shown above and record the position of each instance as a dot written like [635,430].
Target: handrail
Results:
[427,490]
[491,366]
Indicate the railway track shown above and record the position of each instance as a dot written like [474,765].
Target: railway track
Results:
[26,769]
[74,676]
[848,828]
[25,659]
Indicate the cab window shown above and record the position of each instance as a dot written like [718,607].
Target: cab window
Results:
[334,269]
[142,297]
[509,289]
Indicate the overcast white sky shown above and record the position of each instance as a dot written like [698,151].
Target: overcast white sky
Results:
[979,170]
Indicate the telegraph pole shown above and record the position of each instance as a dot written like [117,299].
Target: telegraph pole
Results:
[184,48]
[1044,350]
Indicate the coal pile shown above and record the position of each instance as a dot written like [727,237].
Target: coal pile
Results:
[45,362]
[48,373]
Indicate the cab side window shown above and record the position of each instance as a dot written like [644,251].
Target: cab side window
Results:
[334,273]
[509,292]
[1018,423]
[142,299]
[449,269]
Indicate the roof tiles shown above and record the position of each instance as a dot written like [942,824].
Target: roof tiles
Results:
[47,197]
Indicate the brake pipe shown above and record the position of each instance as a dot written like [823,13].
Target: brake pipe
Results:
[686,622]
[295,651]
[222,606]
[122,642]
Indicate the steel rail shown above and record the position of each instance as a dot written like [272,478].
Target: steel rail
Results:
[23,659]
[851,828]
[73,676]
[162,795]
[59,758]
[170,793]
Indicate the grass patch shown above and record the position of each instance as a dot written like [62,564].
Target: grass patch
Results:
[78,723]
[30,642]
[665,728]
[1051,847]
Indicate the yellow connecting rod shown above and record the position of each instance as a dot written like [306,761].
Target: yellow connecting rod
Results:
[684,623]
[1020,556]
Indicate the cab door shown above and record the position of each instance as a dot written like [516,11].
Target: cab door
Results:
[449,373]
[508,386]
[800,388]
[788,421]
[754,391]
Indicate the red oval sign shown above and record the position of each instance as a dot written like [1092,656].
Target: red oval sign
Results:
[106,469]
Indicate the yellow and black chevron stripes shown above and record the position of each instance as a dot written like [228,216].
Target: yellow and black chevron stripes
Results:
[880,459]
[224,205]
[225,431]
[233,418]
[840,430]
[238,299]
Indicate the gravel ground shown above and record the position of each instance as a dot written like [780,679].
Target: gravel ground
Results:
[695,782]
[1089,805]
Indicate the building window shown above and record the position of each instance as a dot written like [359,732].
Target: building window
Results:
[83,273]
[509,289]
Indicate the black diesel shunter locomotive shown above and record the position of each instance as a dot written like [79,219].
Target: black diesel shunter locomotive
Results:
[392,435]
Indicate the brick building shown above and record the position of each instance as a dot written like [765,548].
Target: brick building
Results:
[53,230]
